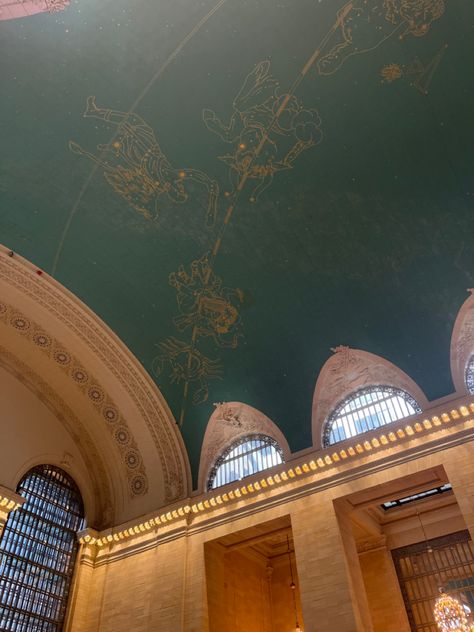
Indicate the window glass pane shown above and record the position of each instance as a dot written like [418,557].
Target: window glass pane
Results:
[38,550]
[470,375]
[248,456]
[366,410]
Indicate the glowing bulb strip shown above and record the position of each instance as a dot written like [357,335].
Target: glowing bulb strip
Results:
[284,476]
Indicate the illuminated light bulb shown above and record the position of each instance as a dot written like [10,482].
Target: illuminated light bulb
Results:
[392,436]
[367,445]
[359,448]
[375,443]
[427,424]
[464,411]
[328,459]
[351,451]
[454,414]
[400,433]
[418,427]
[449,614]
[320,463]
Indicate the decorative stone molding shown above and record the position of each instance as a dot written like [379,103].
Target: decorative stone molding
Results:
[100,340]
[101,491]
[9,501]
[424,435]
[90,387]
[462,343]
[230,422]
[349,370]
[370,544]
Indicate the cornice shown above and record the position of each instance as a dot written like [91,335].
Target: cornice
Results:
[394,444]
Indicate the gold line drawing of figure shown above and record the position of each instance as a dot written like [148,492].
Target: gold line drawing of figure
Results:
[363,25]
[206,305]
[266,137]
[139,171]
[420,73]
[186,364]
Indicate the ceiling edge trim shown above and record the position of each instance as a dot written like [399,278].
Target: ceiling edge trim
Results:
[90,387]
[101,491]
[112,352]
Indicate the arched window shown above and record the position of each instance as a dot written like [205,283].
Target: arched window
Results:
[470,375]
[243,458]
[38,551]
[367,409]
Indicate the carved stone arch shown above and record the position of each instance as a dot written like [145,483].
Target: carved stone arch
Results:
[79,358]
[90,501]
[349,370]
[462,344]
[95,484]
[230,422]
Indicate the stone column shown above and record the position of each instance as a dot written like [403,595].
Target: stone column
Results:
[80,599]
[386,604]
[331,586]
[460,474]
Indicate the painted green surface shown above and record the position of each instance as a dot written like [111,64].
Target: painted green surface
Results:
[366,241]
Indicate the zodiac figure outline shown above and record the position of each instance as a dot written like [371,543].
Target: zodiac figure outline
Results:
[186,365]
[260,121]
[363,25]
[139,171]
[420,73]
[207,306]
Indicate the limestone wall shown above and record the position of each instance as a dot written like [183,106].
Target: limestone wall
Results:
[159,582]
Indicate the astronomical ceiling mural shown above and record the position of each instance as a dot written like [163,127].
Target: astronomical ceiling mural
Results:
[236,187]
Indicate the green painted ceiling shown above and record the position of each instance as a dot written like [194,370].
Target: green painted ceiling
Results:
[363,236]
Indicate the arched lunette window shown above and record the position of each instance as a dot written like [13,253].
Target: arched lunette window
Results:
[470,375]
[367,409]
[243,458]
[38,550]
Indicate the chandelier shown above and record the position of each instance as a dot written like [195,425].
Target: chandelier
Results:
[449,614]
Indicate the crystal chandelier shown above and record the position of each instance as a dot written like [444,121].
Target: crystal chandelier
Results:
[449,614]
